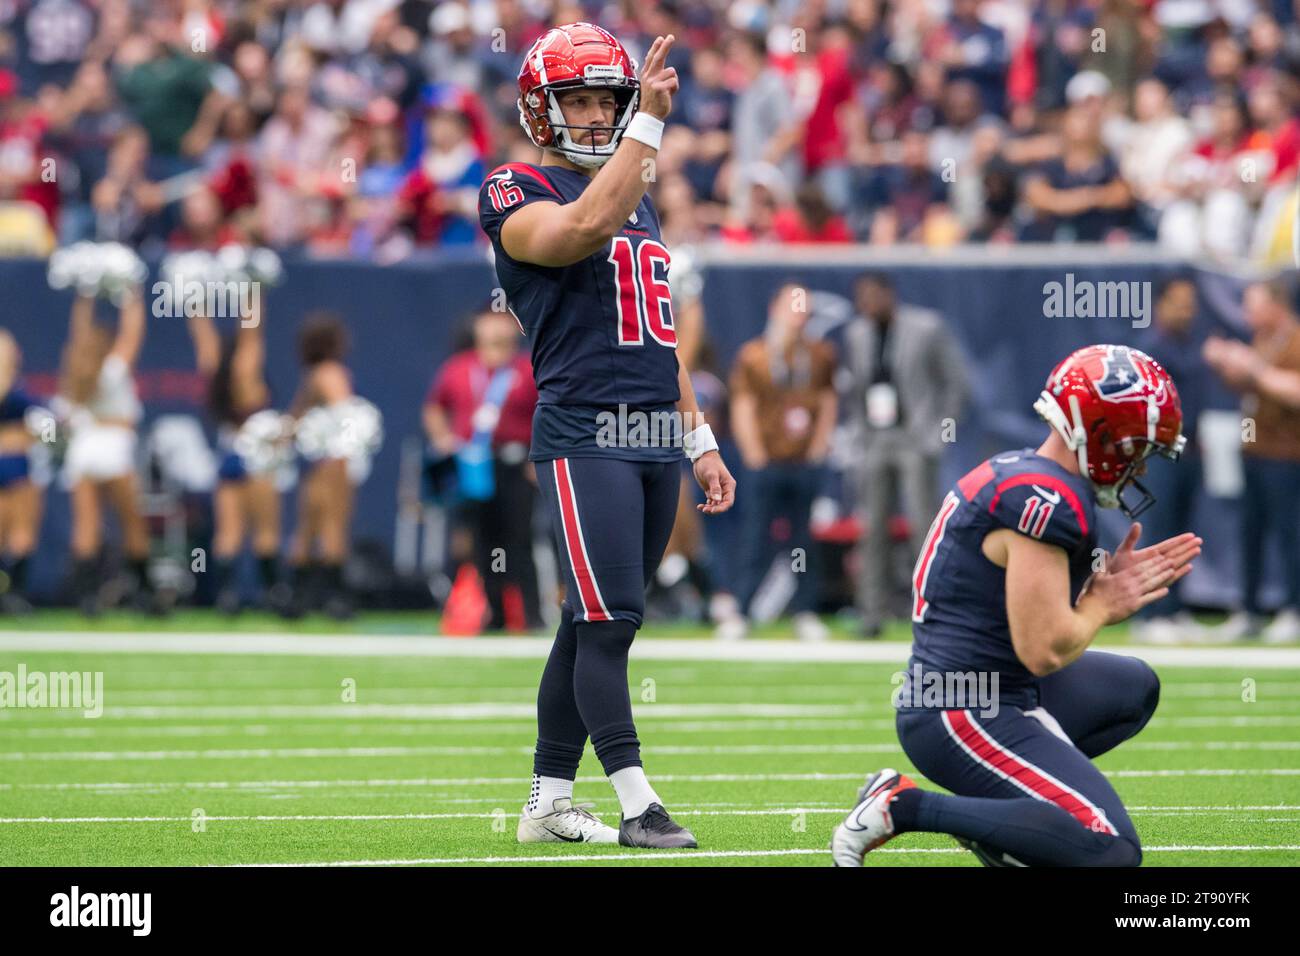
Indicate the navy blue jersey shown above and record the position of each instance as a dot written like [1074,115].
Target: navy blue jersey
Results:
[601,329]
[959,603]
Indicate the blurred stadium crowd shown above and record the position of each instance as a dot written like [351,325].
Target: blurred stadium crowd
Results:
[364,127]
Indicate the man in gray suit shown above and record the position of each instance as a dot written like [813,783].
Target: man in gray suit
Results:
[906,385]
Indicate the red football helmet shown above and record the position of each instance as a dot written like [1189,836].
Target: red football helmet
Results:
[568,57]
[1114,406]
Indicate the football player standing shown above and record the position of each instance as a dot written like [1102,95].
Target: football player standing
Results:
[579,255]
[1007,585]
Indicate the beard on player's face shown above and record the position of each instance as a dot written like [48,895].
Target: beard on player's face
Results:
[584,109]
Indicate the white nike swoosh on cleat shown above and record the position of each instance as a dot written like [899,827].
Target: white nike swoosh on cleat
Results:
[856,822]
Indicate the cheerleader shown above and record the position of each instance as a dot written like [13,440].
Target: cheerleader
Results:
[246,504]
[333,438]
[21,499]
[100,465]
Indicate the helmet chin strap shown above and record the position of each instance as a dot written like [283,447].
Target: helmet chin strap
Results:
[579,158]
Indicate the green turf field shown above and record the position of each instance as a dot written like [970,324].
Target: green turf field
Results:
[219,758]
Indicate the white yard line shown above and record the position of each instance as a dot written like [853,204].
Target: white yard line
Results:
[678,649]
[302,818]
[1232,808]
[673,855]
[1277,720]
[468,711]
[127,786]
[1224,690]
[98,730]
[504,710]
[1212,745]
[289,753]
[577,858]
[1241,812]
[307,726]
[410,782]
[1208,772]
[135,691]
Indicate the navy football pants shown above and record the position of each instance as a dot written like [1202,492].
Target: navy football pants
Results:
[1019,788]
[1270,510]
[611,521]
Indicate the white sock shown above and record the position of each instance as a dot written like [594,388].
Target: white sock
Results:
[546,790]
[634,791]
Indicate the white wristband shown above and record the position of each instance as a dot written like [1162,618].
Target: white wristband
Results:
[645,128]
[699,442]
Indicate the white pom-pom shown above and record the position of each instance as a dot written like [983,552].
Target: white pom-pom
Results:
[40,423]
[262,442]
[265,266]
[195,265]
[59,273]
[121,269]
[169,267]
[90,274]
[313,432]
[359,428]
[233,262]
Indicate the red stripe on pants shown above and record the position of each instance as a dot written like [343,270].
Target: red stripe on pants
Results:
[588,595]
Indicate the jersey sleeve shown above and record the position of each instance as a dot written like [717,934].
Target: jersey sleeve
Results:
[509,188]
[1042,507]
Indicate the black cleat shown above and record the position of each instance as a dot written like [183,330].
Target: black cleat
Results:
[154,603]
[339,607]
[287,601]
[228,602]
[90,605]
[655,829]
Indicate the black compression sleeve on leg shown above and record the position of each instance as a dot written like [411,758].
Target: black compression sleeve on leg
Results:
[561,734]
[600,689]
